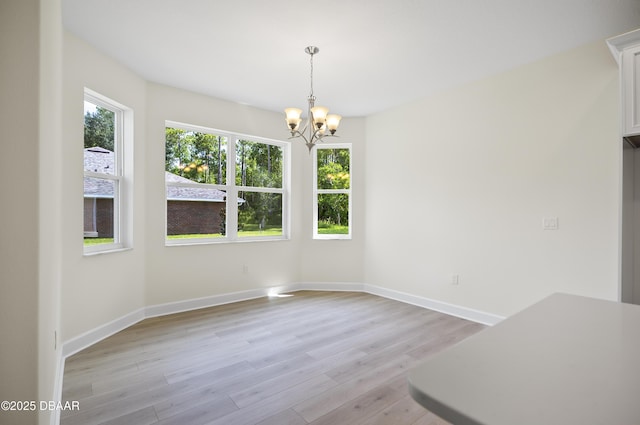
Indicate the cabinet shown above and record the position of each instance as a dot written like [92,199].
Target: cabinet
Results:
[626,50]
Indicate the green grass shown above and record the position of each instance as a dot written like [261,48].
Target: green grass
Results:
[195,236]
[332,229]
[97,241]
[266,232]
[248,230]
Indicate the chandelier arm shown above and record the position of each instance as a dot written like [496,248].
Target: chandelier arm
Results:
[295,134]
[304,129]
[317,136]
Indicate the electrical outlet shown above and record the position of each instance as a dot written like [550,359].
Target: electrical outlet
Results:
[455,279]
[245,269]
[550,223]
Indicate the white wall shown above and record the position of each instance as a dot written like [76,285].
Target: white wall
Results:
[457,183]
[50,208]
[30,83]
[101,288]
[153,273]
[469,175]
[176,273]
[19,118]
[336,260]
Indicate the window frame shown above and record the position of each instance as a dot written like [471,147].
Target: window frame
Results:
[123,135]
[317,192]
[232,189]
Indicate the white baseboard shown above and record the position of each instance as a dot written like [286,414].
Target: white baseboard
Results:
[57,389]
[197,303]
[442,307]
[101,332]
[329,286]
[91,337]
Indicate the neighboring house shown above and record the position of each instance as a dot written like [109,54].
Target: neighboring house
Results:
[190,210]
[98,194]
[193,210]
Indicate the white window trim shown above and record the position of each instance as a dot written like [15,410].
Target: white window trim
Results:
[123,177]
[317,192]
[232,190]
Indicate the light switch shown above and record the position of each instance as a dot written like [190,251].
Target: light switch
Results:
[550,223]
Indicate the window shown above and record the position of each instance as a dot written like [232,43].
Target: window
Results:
[104,173]
[222,186]
[332,191]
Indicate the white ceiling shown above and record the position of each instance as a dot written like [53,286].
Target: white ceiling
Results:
[374,54]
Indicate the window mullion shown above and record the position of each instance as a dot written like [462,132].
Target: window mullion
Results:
[197,185]
[93,175]
[260,189]
[232,191]
[345,191]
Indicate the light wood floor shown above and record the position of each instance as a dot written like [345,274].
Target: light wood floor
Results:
[333,358]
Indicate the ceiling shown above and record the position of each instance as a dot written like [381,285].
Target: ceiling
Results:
[374,54]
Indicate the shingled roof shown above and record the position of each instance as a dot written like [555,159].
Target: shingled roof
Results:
[181,193]
[100,160]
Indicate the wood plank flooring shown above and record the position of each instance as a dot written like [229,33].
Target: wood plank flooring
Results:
[317,358]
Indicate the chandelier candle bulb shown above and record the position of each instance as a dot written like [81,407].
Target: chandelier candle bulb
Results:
[293,117]
[319,114]
[333,121]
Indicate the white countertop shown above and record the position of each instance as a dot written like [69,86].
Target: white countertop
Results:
[567,360]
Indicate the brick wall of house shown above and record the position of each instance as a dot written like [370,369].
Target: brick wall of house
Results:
[88,215]
[183,217]
[103,216]
[193,217]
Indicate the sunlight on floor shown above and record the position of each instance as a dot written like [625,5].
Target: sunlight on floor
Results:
[273,293]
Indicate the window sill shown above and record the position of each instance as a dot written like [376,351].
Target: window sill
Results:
[195,242]
[106,251]
[332,238]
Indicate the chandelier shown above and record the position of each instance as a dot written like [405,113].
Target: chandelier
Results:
[319,123]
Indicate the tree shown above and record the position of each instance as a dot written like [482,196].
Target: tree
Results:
[259,165]
[99,129]
[200,157]
[333,173]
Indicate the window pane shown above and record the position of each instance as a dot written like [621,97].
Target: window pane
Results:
[196,157]
[258,164]
[259,214]
[99,127]
[99,160]
[99,157]
[333,214]
[197,211]
[333,169]
[99,195]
